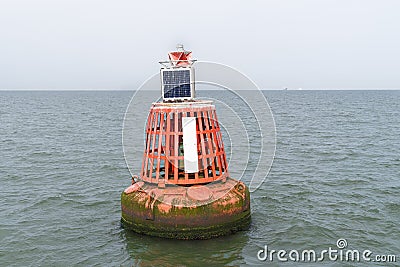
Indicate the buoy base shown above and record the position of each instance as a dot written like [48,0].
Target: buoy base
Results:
[195,212]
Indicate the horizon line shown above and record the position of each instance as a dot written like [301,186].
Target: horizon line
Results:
[203,89]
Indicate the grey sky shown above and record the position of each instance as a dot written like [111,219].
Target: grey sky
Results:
[98,44]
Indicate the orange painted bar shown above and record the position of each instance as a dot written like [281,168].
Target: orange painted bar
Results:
[164,156]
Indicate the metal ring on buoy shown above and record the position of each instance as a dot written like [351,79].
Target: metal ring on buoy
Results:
[134,179]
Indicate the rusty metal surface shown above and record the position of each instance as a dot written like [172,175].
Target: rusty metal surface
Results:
[199,193]
[181,211]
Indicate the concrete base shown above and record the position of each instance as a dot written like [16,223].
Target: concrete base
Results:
[194,212]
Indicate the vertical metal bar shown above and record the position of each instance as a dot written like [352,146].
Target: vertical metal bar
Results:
[210,146]
[186,174]
[160,133]
[222,152]
[166,149]
[221,145]
[153,146]
[217,130]
[149,131]
[203,153]
[215,144]
[176,147]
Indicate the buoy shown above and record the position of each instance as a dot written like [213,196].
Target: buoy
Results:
[184,189]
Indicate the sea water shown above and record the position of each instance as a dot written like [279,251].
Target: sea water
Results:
[336,175]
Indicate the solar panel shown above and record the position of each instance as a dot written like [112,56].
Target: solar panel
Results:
[176,84]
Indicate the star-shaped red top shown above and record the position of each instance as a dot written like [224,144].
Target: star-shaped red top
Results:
[180,58]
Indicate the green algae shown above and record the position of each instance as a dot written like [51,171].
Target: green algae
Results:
[150,228]
[138,216]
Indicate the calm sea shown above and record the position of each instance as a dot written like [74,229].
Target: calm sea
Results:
[336,175]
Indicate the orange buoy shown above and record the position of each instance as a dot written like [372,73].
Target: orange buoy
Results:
[184,189]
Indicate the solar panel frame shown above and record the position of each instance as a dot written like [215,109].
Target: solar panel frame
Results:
[177,83]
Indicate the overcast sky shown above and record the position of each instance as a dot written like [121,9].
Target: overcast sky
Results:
[98,44]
